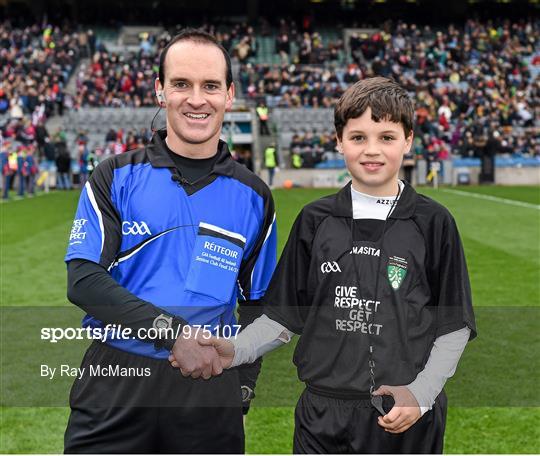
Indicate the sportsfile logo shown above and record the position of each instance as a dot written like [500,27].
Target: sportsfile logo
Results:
[330,266]
[135,228]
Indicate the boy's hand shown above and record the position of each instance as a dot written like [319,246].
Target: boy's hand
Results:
[224,348]
[405,411]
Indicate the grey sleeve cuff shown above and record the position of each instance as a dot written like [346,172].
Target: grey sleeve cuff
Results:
[441,365]
[258,338]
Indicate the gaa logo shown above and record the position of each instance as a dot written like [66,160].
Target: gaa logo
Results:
[330,266]
[135,228]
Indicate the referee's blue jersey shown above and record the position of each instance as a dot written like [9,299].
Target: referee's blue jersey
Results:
[190,249]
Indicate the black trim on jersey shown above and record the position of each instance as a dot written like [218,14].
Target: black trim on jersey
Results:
[131,157]
[141,244]
[209,232]
[248,264]
[248,178]
[101,182]
[199,184]
[156,156]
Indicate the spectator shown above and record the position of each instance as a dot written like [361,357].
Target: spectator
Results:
[243,49]
[63,167]
[262,113]
[271,162]
[21,171]
[41,135]
[35,64]
[110,136]
[244,157]
[84,158]
[283,47]
[9,168]
[311,148]
[408,166]
[30,170]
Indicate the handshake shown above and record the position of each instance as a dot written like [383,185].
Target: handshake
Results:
[198,356]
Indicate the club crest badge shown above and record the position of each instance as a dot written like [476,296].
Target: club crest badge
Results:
[396,270]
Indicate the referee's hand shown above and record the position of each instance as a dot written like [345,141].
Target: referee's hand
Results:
[193,359]
[223,347]
[405,411]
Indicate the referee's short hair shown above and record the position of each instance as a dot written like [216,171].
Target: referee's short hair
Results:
[386,98]
[197,36]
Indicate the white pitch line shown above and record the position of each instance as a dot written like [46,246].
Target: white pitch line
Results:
[495,199]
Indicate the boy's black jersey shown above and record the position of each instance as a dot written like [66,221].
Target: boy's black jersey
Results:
[423,291]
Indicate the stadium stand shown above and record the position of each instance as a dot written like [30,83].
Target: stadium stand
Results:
[467,80]
[36,63]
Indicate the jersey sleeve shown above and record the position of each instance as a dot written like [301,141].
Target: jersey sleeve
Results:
[452,289]
[96,232]
[257,268]
[286,299]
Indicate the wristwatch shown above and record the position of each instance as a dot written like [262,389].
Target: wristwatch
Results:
[162,322]
[247,393]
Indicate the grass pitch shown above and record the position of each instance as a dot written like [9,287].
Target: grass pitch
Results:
[493,397]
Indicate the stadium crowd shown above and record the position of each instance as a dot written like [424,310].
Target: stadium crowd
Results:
[126,79]
[22,151]
[35,65]
[476,79]
[117,80]
[294,86]
[467,81]
[308,149]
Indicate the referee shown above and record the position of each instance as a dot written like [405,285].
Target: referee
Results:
[169,237]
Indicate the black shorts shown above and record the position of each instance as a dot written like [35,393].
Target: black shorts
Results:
[329,425]
[124,410]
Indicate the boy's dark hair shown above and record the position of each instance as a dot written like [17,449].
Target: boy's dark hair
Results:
[386,98]
[197,36]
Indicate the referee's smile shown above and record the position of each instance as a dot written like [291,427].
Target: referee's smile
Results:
[196,97]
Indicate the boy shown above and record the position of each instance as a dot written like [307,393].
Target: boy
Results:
[374,281]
